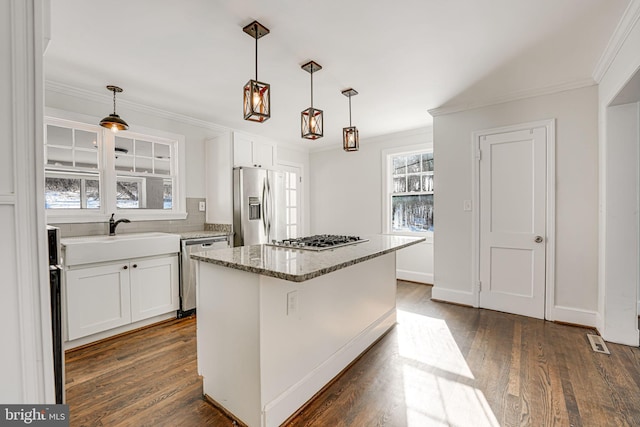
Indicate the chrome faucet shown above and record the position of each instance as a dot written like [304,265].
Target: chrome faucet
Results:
[113,224]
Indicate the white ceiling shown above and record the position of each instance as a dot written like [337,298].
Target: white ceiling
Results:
[403,57]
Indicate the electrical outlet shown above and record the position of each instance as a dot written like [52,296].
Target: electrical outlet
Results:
[201,206]
[292,303]
[466,206]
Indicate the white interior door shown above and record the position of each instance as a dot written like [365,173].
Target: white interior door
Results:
[513,222]
[290,201]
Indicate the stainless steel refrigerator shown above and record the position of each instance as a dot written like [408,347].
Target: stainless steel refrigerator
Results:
[258,206]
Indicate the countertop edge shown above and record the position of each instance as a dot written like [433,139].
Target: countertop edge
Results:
[307,276]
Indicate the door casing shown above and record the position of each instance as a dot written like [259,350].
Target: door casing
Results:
[549,126]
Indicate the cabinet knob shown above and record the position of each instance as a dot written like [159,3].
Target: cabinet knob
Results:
[135,265]
[125,267]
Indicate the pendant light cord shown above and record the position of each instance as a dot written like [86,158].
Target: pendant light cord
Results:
[311,69]
[350,111]
[114,102]
[255,29]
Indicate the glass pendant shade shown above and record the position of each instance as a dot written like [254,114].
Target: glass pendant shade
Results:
[257,101]
[113,121]
[350,139]
[311,124]
[257,95]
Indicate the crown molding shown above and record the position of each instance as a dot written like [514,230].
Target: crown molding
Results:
[513,96]
[134,106]
[627,22]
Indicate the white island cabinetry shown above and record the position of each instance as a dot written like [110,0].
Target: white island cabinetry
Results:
[275,325]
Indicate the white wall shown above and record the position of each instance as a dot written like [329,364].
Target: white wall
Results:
[621,219]
[346,196]
[618,288]
[575,111]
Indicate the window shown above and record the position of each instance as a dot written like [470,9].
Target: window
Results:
[72,170]
[91,172]
[409,191]
[143,174]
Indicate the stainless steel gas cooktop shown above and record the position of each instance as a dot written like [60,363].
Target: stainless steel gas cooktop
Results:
[319,242]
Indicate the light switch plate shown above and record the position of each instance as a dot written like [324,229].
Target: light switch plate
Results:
[201,206]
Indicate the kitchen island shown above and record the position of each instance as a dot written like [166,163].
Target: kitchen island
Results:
[275,324]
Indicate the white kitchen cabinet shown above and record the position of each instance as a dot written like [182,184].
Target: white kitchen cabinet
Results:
[106,296]
[247,152]
[154,287]
[97,299]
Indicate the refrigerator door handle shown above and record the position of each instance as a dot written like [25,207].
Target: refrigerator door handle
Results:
[269,210]
[264,205]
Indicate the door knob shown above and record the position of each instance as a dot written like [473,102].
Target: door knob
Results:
[538,239]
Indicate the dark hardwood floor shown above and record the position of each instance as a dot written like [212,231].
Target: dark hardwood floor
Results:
[442,365]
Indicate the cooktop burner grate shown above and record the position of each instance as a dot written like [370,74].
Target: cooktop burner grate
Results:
[319,242]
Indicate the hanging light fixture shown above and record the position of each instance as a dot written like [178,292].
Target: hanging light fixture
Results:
[350,139]
[257,95]
[113,121]
[311,117]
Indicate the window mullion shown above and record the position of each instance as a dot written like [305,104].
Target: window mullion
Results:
[109,175]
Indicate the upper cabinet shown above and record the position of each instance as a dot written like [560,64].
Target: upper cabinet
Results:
[251,153]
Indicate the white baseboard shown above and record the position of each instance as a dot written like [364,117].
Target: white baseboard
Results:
[450,295]
[278,410]
[68,345]
[574,315]
[415,276]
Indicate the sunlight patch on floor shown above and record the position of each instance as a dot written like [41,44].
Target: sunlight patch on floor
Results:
[438,384]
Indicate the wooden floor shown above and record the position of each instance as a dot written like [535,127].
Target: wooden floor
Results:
[442,365]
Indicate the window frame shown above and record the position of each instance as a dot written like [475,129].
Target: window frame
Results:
[108,174]
[387,188]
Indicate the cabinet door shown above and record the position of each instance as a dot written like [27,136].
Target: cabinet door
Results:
[263,155]
[242,151]
[154,287]
[247,152]
[97,299]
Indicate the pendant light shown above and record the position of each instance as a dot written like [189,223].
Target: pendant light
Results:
[113,121]
[311,117]
[257,95]
[350,139]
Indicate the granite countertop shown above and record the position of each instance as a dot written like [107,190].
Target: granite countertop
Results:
[201,234]
[298,265]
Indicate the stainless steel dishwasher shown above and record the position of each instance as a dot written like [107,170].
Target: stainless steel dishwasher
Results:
[188,269]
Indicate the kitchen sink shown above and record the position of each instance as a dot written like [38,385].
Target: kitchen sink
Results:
[93,249]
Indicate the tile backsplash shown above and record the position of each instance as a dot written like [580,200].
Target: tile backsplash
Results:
[195,222]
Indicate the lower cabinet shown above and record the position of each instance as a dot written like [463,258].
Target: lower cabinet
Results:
[154,287]
[106,296]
